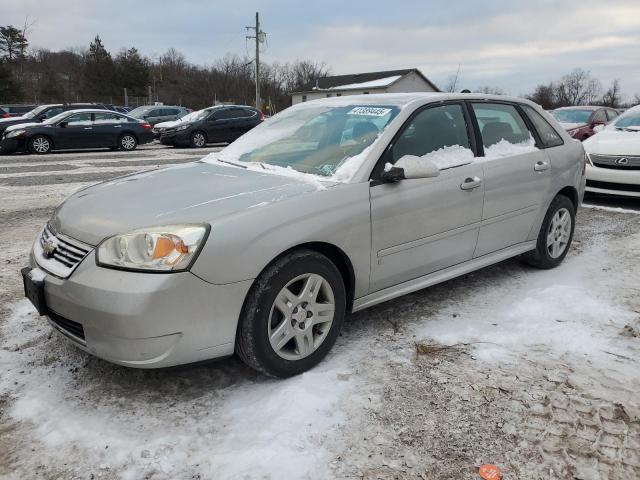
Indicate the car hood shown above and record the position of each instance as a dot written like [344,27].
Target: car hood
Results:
[167,124]
[191,193]
[571,126]
[18,126]
[613,142]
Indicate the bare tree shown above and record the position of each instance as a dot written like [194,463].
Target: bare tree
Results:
[612,97]
[544,95]
[490,90]
[577,88]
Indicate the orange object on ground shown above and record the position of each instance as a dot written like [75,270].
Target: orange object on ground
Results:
[489,472]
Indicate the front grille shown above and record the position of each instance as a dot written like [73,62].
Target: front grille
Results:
[68,326]
[622,162]
[59,254]
[622,187]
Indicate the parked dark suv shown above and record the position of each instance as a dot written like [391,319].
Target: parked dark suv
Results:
[219,124]
[43,112]
[580,122]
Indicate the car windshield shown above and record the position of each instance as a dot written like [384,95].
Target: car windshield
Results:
[195,116]
[312,138]
[138,112]
[56,118]
[630,120]
[33,113]
[572,116]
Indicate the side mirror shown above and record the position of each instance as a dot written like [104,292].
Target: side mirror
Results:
[599,127]
[63,124]
[411,167]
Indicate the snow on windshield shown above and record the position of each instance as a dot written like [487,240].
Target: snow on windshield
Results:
[312,141]
[628,120]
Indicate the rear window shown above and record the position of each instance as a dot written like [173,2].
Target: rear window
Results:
[498,121]
[548,136]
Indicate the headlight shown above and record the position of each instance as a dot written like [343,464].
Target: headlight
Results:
[15,133]
[160,249]
[182,127]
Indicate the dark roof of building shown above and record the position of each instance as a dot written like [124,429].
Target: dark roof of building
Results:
[336,81]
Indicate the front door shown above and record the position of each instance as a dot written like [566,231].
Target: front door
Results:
[77,132]
[420,226]
[516,176]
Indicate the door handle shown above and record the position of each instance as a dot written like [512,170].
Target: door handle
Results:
[470,183]
[87,128]
[541,166]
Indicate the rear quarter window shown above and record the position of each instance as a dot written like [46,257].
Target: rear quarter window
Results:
[548,135]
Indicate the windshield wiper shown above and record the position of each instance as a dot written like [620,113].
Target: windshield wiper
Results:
[232,163]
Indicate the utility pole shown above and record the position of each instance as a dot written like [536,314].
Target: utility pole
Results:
[259,38]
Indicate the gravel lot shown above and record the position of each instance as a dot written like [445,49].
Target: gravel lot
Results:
[537,372]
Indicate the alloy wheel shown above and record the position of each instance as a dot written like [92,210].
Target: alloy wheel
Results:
[199,140]
[559,233]
[128,142]
[41,145]
[301,316]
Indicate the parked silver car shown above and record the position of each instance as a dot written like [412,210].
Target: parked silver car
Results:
[329,207]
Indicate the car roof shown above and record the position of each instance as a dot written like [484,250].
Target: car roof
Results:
[582,107]
[404,99]
[94,110]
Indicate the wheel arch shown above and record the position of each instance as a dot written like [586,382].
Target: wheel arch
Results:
[572,194]
[337,256]
[48,137]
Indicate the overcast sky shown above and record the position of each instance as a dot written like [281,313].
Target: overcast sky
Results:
[512,44]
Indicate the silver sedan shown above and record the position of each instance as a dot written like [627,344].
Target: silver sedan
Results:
[329,207]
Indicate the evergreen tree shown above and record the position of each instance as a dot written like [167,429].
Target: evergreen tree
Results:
[13,43]
[99,72]
[132,71]
[10,90]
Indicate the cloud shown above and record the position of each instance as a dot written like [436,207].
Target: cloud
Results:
[508,43]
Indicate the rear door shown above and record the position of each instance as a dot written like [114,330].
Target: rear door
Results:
[516,176]
[420,226]
[107,127]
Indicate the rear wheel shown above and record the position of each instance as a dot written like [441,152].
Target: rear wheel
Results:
[198,139]
[292,315]
[40,144]
[127,142]
[556,234]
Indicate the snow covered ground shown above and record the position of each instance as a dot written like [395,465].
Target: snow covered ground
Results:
[535,371]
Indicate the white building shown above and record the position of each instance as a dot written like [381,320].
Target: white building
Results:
[392,81]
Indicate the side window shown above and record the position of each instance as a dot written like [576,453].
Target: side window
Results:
[430,130]
[498,121]
[612,114]
[79,120]
[108,118]
[223,114]
[548,136]
[52,112]
[599,116]
[156,112]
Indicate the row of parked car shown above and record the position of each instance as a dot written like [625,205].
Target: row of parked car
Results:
[87,125]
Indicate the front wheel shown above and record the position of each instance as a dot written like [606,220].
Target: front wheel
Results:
[292,315]
[556,234]
[198,139]
[40,145]
[127,142]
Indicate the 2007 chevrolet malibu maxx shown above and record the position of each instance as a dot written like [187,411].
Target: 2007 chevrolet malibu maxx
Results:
[329,207]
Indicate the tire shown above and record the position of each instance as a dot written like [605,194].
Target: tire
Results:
[556,234]
[283,345]
[198,139]
[40,145]
[127,142]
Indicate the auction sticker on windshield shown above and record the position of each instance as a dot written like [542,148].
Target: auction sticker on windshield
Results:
[369,111]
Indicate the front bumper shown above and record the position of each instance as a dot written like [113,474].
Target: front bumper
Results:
[10,145]
[144,320]
[613,181]
[180,137]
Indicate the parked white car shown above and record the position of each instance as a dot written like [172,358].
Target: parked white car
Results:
[614,157]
